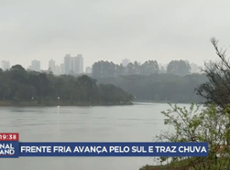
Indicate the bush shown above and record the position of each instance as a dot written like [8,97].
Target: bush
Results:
[198,125]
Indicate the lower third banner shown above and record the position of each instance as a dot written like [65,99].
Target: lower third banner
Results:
[14,149]
[107,149]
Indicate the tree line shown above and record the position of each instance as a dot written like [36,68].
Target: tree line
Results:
[109,69]
[17,85]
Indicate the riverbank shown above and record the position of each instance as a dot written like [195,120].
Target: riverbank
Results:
[56,103]
[165,101]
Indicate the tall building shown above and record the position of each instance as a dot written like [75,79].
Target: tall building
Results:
[78,64]
[68,63]
[88,70]
[125,62]
[36,65]
[57,70]
[52,66]
[75,65]
[62,69]
[5,65]
[80,59]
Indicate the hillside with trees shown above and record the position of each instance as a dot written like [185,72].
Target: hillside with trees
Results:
[160,87]
[150,81]
[18,86]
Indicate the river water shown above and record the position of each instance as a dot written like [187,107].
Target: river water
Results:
[137,123]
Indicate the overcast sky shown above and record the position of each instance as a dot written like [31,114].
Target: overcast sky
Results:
[139,30]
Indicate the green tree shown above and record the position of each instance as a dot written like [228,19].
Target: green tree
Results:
[149,67]
[197,125]
[130,69]
[178,67]
[120,70]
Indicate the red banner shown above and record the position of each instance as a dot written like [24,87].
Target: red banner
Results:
[9,136]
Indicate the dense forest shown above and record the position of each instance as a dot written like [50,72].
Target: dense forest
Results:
[160,87]
[151,81]
[18,85]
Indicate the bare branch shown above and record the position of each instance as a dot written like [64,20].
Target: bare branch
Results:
[217,89]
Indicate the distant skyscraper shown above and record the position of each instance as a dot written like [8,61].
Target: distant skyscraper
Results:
[36,65]
[57,70]
[125,62]
[75,65]
[5,65]
[68,63]
[78,64]
[52,66]
[62,69]
[88,70]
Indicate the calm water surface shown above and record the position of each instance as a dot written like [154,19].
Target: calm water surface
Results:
[137,123]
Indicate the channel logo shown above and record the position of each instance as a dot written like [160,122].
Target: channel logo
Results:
[7,149]
[9,145]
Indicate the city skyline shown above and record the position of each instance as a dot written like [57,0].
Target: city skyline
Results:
[75,65]
[70,66]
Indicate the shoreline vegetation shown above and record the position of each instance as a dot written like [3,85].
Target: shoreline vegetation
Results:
[201,129]
[64,103]
[57,103]
[19,87]
[67,103]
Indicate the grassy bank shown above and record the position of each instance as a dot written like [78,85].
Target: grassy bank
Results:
[57,103]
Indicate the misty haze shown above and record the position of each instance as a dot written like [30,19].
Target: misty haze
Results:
[110,71]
